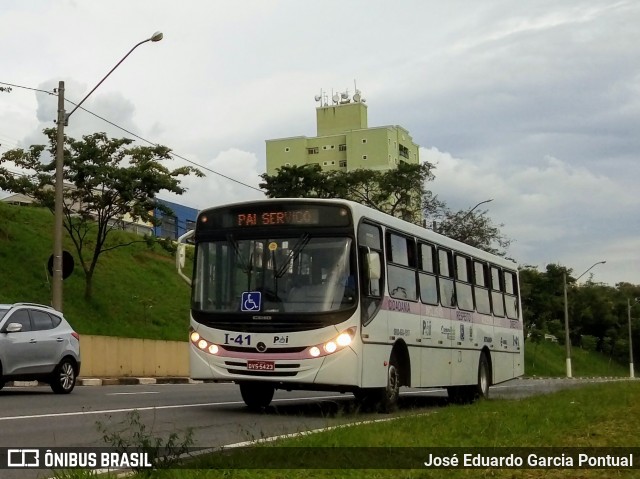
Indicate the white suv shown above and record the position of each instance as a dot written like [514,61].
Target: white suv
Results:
[37,343]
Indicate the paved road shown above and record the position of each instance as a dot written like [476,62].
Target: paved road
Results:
[34,417]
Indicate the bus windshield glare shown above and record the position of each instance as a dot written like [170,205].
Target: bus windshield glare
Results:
[274,275]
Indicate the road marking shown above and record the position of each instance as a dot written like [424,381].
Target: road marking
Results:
[132,394]
[151,408]
[175,406]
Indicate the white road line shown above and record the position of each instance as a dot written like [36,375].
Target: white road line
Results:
[176,406]
[148,408]
[132,394]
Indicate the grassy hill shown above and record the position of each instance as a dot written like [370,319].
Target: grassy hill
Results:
[137,292]
[548,359]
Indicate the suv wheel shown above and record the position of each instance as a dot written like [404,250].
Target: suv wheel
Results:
[63,379]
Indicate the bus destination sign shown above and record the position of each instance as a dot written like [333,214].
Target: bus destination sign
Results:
[273,215]
[304,216]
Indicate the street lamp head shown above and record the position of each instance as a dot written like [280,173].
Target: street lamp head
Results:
[156,37]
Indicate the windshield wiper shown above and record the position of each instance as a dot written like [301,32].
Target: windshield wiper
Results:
[247,267]
[295,251]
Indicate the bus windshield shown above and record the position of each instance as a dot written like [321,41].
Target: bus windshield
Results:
[274,275]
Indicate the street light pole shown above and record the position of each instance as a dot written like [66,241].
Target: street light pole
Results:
[63,120]
[629,305]
[567,338]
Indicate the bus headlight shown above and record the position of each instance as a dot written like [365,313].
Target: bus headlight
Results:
[344,339]
[202,344]
[330,347]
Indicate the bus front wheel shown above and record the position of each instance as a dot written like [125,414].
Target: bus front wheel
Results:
[385,399]
[256,395]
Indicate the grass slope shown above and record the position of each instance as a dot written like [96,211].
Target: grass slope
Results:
[136,291]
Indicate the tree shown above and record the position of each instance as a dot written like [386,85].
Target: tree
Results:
[400,192]
[105,180]
[5,89]
[474,228]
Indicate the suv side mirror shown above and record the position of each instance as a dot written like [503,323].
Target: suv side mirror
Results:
[13,328]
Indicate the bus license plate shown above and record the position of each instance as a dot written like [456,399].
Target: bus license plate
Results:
[261,365]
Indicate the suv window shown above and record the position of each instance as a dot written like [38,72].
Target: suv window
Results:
[21,316]
[41,320]
[3,312]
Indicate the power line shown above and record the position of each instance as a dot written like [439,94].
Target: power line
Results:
[140,137]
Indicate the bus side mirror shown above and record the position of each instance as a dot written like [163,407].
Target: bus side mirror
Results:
[374,269]
[180,256]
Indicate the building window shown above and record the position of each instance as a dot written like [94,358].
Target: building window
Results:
[343,163]
[364,157]
[169,227]
[342,147]
[403,151]
[287,164]
[313,151]
[364,140]
[287,149]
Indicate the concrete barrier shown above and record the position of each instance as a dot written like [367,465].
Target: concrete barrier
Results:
[108,357]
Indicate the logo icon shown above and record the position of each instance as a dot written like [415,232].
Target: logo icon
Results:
[23,458]
[251,301]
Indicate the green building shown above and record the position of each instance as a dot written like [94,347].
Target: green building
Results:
[344,140]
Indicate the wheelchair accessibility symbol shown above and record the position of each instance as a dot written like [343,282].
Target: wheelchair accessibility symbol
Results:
[251,301]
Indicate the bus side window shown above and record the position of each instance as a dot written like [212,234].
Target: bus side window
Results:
[427,277]
[401,273]
[445,279]
[511,295]
[464,294]
[497,287]
[480,289]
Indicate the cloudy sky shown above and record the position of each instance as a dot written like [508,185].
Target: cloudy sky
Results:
[534,104]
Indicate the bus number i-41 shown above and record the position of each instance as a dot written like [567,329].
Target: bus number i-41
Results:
[239,339]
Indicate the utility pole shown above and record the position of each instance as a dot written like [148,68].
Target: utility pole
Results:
[56,287]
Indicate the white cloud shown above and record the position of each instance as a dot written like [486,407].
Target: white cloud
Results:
[554,211]
[213,189]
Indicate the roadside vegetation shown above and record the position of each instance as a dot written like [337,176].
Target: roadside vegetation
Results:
[605,415]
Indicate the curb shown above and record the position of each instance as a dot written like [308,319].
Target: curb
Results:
[123,381]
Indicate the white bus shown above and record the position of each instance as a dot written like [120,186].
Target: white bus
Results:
[332,295]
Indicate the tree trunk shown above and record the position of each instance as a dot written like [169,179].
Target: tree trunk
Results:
[88,285]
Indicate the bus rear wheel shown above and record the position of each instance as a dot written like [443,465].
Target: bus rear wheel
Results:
[256,395]
[469,394]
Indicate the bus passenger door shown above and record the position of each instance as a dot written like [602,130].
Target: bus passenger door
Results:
[374,320]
